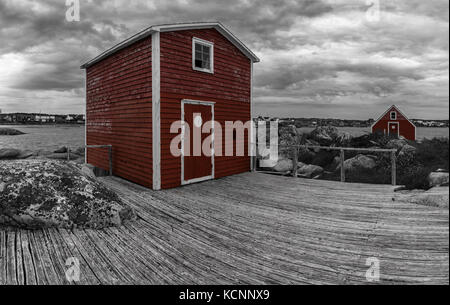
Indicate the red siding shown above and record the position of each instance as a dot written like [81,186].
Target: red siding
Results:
[406,128]
[228,87]
[119,105]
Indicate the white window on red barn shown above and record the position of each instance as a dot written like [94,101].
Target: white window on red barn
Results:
[202,55]
[393,115]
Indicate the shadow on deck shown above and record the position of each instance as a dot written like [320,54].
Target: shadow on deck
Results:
[245,229]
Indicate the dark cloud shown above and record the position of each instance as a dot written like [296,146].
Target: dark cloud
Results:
[316,54]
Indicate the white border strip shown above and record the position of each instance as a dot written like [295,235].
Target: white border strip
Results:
[156,110]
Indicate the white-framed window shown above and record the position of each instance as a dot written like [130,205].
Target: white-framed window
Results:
[202,55]
[393,115]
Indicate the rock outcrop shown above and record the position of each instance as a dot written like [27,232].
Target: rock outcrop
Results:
[60,150]
[358,162]
[283,165]
[309,170]
[10,132]
[438,179]
[9,153]
[396,144]
[325,135]
[407,150]
[436,197]
[47,193]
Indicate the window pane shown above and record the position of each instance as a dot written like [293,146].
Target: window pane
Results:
[206,50]
[206,64]
[202,54]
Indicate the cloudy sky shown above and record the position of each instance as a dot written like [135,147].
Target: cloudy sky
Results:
[330,58]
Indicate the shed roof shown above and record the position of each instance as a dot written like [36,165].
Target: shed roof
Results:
[389,109]
[175,27]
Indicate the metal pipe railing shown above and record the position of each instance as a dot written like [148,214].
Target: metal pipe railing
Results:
[342,157]
[109,146]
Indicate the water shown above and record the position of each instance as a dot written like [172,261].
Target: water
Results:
[422,132]
[51,137]
[44,137]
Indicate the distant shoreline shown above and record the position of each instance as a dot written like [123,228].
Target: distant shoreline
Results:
[38,124]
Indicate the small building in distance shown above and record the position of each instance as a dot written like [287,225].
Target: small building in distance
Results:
[394,123]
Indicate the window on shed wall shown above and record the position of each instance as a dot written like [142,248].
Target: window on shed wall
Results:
[202,55]
[393,115]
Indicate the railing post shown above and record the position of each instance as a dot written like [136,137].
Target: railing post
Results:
[294,162]
[110,159]
[68,153]
[394,168]
[253,158]
[342,166]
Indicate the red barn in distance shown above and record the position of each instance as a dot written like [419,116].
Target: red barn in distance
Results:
[163,74]
[394,123]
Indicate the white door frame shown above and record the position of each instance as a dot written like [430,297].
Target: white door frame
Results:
[394,123]
[183,102]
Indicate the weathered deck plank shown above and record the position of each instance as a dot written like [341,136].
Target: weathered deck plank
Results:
[245,229]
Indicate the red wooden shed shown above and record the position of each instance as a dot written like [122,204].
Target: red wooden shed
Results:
[394,123]
[163,74]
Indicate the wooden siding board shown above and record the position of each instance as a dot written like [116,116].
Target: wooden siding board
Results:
[228,87]
[119,112]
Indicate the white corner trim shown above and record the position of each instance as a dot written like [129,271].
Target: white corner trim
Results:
[211,54]
[251,141]
[85,116]
[156,111]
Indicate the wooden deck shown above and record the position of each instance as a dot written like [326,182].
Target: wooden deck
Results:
[245,229]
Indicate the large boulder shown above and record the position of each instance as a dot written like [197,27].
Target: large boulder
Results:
[283,165]
[407,150]
[344,139]
[436,197]
[47,193]
[10,132]
[61,150]
[88,170]
[438,178]
[306,155]
[62,156]
[324,158]
[80,151]
[9,153]
[12,153]
[25,154]
[309,170]
[358,162]
[396,144]
[336,162]
[325,135]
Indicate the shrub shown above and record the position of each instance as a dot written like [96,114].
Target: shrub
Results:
[324,158]
[433,153]
[414,177]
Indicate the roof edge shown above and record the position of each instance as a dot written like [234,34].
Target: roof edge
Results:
[387,110]
[169,28]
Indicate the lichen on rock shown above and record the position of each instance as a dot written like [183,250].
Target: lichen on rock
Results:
[50,193]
